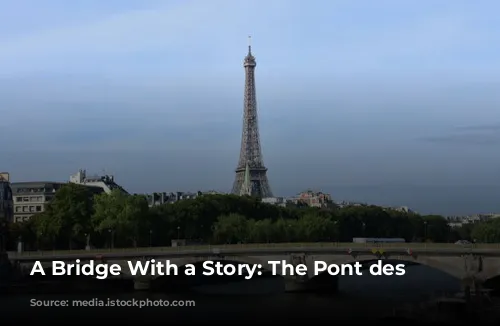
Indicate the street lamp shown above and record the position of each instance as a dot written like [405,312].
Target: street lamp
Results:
[20,244]
[112,243]
[214,236]
[178,233]
[87,241]
[335,231]
[40,241]
[150,238]
[425,231]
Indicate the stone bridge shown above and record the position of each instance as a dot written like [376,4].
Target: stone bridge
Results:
[461,267]
[471,265]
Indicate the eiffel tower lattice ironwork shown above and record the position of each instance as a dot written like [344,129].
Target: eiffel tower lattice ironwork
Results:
[251,174]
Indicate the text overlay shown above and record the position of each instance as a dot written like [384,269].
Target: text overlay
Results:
[208,268]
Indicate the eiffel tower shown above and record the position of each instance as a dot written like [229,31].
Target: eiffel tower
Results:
[251,177]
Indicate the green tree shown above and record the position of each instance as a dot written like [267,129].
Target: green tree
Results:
[436,228]
[312,227]
[232,228]
[262,231]
[67,217]
[463,232]
[48,230]
[124,216]
[487,232]
[224,219]
[24,231]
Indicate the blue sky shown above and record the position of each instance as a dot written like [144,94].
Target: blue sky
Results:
[355,97]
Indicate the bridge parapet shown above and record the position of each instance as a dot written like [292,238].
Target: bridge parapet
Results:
[292,247]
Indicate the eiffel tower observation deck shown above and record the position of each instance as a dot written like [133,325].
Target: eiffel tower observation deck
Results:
[251,174]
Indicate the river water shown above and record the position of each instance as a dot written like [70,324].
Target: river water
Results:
[364,297]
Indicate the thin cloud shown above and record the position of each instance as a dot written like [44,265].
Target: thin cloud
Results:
[480,134]
[486,127]
[465,139]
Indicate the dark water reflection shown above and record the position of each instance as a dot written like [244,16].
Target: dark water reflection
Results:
[361,298]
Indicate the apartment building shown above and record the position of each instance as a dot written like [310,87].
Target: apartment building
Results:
[30,198]
[313,198]
[457,221]
[278,201]
[161,198]
[6,204]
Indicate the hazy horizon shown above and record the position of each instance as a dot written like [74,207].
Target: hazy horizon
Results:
[392,103]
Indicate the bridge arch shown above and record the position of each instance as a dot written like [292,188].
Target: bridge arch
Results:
[489,276]
[453,266]
[491,269]
[492,283]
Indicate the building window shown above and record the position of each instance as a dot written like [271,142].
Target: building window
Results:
[25,199]
[25,208]
[19,199]
[32,208]
[38,208]
[18,209]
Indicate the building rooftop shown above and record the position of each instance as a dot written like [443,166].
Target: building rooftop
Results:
[18,186]
[32,184]
[105,181]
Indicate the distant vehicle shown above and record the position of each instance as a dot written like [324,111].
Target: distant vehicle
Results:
[463,242]
[378,240]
